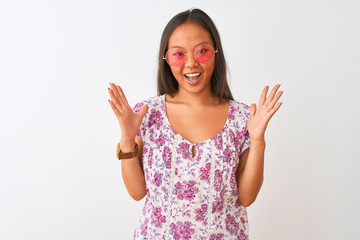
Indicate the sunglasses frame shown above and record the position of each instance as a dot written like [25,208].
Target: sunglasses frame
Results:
[215,51]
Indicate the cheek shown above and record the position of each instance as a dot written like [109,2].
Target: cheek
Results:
[177,72]
[209,69]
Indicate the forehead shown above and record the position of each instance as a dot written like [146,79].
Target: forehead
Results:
[189,35]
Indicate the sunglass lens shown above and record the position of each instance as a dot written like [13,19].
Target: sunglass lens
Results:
[175,57]
[204,53]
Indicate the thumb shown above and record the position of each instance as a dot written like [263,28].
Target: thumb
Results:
[143,110]
[252,109]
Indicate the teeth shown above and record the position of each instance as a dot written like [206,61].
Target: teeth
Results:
[192,75]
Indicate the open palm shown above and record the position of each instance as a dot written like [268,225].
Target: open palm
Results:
[129,121]
[260,115]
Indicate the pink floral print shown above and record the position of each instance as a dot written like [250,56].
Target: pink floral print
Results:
[156,218]
[231,225]
[181,230]
[186,190]
[218,236]
[200,213]
[192,197]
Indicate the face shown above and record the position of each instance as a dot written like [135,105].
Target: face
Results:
[192,76]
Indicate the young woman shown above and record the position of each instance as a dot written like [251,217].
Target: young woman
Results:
[192,150]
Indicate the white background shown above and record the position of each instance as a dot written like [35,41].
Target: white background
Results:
[59,178]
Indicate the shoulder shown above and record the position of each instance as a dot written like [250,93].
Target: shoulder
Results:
[152,102]
[241,109]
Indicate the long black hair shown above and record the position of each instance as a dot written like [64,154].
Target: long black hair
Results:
[166,82]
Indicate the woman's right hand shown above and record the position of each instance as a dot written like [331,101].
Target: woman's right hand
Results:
[128,120]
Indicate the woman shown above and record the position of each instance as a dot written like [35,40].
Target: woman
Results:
[200,153]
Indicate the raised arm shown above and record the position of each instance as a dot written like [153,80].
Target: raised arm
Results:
[251,164]
[131,169]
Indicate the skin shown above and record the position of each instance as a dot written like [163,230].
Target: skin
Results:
[194,112]
[251,164]
[188,36]
[190,100]
[131,169]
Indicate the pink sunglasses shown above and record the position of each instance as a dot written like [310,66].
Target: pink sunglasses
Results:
[176,57]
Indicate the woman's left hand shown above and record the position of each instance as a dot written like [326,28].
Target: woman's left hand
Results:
[261,115]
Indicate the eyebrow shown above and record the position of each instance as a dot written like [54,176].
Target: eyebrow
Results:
[205,42]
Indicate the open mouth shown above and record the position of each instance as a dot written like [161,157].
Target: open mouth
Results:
[192,76]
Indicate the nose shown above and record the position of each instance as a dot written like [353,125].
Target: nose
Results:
[190,61]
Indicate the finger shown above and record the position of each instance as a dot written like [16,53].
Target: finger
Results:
[273,111]
[143,111]
[114,99]
[263,96]
[122,95]
[114,108]
[252,109]
[272,94]
[116,93]
[274,101]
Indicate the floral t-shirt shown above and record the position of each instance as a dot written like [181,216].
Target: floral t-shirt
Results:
[192,197]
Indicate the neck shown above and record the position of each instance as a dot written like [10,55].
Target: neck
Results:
[195,99]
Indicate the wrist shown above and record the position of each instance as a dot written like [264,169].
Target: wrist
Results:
[122,154]
[257,143]
[127,145]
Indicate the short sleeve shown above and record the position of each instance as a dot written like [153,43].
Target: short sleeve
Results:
[136,109]
[245,117]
